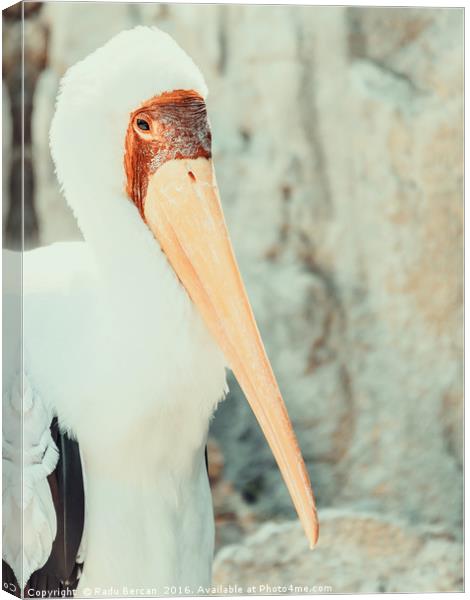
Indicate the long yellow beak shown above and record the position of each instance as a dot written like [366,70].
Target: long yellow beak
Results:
[182,208]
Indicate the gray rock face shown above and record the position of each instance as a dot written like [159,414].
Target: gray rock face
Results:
[357,552]
[338,147]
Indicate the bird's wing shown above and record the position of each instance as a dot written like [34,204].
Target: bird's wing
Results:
[48,505]
[51,510]
[66,484]
[28,507]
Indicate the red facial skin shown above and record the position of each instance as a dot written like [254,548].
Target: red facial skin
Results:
[178,128]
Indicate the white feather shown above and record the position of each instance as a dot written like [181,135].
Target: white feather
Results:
[29,519]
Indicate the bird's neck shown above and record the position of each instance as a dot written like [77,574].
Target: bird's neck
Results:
[165,372]
[128,256]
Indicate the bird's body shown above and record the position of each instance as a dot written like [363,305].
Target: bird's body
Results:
[127,335]
[146,480]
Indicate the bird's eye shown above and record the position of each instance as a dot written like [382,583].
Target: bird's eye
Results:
[143,124]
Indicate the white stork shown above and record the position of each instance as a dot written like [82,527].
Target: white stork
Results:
[127,335]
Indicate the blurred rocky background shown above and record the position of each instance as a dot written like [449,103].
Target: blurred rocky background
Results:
[338,144]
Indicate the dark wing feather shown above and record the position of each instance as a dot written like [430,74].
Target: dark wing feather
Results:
[66,484]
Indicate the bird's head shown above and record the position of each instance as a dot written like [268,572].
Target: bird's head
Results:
[170,126]
[132,118]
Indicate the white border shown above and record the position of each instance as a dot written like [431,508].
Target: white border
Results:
[419,4]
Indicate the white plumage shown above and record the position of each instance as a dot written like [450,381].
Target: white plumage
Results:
[27,500]
[98,318]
